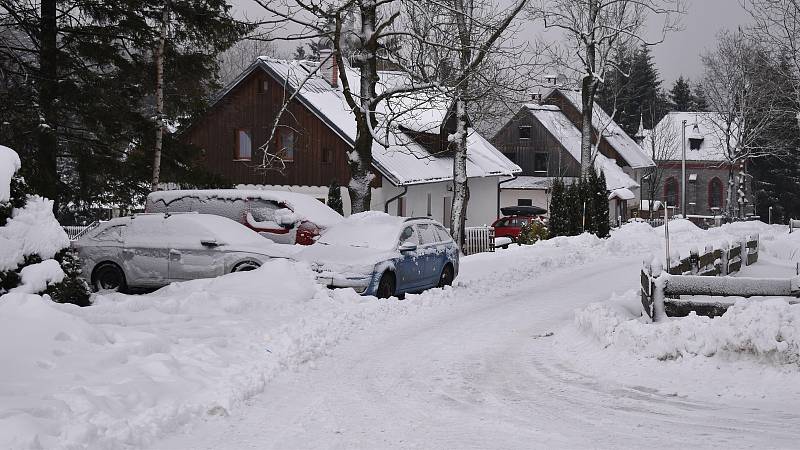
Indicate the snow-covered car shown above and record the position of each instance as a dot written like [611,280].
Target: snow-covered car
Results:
[382,255]
[153,250]
[283,217]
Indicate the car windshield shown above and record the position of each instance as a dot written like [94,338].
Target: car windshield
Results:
[369,230]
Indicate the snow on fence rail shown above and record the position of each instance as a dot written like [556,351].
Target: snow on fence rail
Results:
[689,276]
[793,223]
[76,231]
[478,239]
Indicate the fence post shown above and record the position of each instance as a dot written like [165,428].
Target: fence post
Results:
[743,251]
[694,261]
[724,257]
[659,313]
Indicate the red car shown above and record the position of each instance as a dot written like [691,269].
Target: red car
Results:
[516,218]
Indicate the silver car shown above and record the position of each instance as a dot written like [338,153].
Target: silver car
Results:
[147,251]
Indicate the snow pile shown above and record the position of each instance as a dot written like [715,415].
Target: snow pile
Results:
[130,368]
[31,230]
[767,329]
[36,277]
[9,164]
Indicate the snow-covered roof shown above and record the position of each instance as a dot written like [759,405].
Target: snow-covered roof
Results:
[305,206]
[9,164]
[627,148]
[569,136]
[699,125]
[622,194]
[403,161]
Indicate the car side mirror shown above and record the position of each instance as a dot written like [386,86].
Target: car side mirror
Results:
[407,247]
[209,243]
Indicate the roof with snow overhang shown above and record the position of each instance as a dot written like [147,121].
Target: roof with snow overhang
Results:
[569,136]
[616,137]
[398,157]
[703,126]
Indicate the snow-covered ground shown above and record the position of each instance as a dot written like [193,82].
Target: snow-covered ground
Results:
[535,346]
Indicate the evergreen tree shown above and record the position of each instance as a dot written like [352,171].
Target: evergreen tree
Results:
[72,288]
[600,211]
[559,209]
[575,208]
[699,102]
[300,53]
[681,95]
[335,197]
[78,92]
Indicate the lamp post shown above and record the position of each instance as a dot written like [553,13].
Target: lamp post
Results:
[683,170]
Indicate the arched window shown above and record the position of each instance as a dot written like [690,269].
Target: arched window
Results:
[715,193]
[671,191]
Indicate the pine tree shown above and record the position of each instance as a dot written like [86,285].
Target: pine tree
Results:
[559,212]
[335,197]
[699,102]
[600,211]
[72,288]
[681,95]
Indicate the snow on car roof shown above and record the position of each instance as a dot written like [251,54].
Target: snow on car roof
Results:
[306,207]
[370,229]
[9,164]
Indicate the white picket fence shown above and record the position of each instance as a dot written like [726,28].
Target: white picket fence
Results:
[478,240]
[76,231]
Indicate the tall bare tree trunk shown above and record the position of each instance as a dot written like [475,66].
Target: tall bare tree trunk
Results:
[160,98]
[460,180]
[47,183]
[588,88]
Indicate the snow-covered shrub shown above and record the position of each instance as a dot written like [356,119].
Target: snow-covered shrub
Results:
[34,249]
[533,232]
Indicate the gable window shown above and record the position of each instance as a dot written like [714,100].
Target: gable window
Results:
[286,144]
[244,145]
[540,162]
[694,144]
[525,132]
[671,191]
[327,155]
[715,193]
[524,202]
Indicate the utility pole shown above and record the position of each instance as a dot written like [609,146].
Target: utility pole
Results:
[683,170]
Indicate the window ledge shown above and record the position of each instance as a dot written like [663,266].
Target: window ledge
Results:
[242,159]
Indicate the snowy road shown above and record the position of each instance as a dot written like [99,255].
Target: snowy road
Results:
[484,373]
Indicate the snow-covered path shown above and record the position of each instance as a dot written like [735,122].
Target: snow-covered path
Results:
[485,373]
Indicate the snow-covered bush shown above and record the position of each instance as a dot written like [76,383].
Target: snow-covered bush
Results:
[533,232]
[35,257]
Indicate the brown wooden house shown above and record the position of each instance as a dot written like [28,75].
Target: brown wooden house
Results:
[310,146]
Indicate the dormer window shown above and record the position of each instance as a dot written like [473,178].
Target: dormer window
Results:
[695,143]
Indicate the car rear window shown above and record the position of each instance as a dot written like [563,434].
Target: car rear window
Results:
[427,233]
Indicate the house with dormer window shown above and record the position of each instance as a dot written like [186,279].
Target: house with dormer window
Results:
[707,165]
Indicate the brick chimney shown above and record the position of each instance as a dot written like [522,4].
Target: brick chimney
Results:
[329,70]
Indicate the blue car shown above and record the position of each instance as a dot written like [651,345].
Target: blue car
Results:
[382,255]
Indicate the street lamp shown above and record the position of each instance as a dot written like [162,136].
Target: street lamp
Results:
[683,169]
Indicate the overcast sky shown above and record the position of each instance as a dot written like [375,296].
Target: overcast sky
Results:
[679,54]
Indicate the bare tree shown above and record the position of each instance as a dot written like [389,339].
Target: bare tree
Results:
[740,90]
[777,27]
[457,45]
[358,32]
[593,29]
[159,60]
[241,55]
[662,142]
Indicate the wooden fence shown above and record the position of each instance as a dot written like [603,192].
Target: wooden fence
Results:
[478,239]
[689,276]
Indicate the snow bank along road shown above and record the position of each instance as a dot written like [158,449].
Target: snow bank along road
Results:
[496,362]
[538,346]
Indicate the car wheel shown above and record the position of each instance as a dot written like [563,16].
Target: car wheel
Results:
[246,266]
[386,285]
[446,279]
[109,277]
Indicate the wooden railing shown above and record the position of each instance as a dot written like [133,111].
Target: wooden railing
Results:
[689,276]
